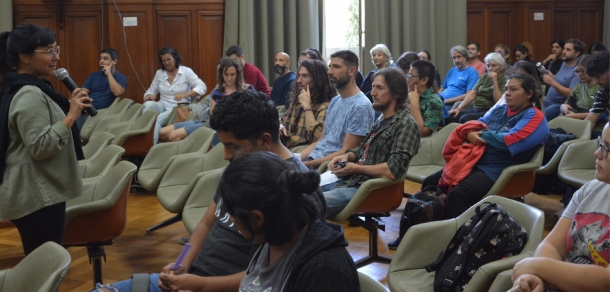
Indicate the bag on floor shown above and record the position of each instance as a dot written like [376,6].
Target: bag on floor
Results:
[424,206]
[489,235]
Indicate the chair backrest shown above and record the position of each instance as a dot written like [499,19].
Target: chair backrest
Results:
[103,216]
[145,120]
[580,128]
[368,284]
[132,112]
[41,270]
[431,148]
[120,107]
[96,143]
[198,141]
[214,158]
[518,180]
[101,163]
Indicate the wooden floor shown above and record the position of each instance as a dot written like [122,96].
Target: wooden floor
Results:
[135,252]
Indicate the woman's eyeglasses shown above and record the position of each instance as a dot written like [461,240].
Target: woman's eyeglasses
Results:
[578,72]
[603,149]
[50,51]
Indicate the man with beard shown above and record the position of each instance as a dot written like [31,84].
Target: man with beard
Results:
[599,67]
[565,79]
[281,85]
[474,51]
[386,150]
[349,115]
[460,79]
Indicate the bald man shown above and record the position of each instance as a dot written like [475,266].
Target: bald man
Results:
[281,85]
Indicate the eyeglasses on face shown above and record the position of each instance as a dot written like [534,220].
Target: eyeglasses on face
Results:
[50,51]
[603,149]
[578,72]
[409,76]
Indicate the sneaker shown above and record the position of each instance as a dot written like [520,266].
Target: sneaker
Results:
[394,244]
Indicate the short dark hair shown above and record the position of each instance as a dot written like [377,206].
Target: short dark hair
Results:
[397,84]
[596,46]
[578,45]
[171,51]
[114,55]
[350,59]
[560,41]
[313,53]
[405,60]
[506,51]
[235,49]
[425,69]
[599,64]
[321,90]
[264,182]
[476,44]
[247,114]
[24,38]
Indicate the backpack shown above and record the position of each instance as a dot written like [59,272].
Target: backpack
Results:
[489,235]
[424,206]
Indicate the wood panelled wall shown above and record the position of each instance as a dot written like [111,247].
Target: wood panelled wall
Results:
[510,22]
[85,27]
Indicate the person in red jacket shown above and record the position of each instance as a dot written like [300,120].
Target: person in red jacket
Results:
[252,74]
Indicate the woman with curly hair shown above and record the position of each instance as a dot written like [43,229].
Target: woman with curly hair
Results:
[524,51]
[309,97]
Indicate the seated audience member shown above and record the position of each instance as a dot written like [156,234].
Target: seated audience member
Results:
[599,67]
[246,121]
[460,80]
[303,122]
[381,58]
[425,56]
[104,85]
[281,85]
[553,61]
[488,90]
[575,255]
[405,60]
[562,83]
[524,67]
[175,83]
[581,99]
[310,54]
[349,115]
[295,248]
[229,79]
[596,47]
[252,75]
[525,51]
[513,134]
[505,51]
[474,51]
[386,150]
[425,105]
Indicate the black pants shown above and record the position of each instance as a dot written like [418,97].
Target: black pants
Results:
[466,115]
[46,224]
[466,194]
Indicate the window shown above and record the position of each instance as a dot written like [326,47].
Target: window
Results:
[342,26]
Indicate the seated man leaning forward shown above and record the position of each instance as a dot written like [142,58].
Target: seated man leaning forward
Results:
[385,151]
[246,121]
[348,117]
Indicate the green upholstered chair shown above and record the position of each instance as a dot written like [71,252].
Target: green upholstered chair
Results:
[159,158]
[98,216]
[375,198]
[200,198]
[580,128]
[96,143]
[368,284]
[577,166]
[503,282]
[113,111]
[518,180]
[422,244]
[135,136]
[101,163]
[429,158]
[129,115]
[181,177]
[42,270]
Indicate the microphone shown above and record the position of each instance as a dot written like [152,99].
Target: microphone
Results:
[62,74]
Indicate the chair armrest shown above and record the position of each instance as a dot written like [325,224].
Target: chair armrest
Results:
[485,275]
[159,155]
[86,208]
[553,164]
[510,171]
[363,191]
[422,244]
[323,167]
[579,155]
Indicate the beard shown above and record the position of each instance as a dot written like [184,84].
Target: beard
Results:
[380,107]
[340,82]
[279,69]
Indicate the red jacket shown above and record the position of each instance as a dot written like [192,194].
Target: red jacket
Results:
[460,156]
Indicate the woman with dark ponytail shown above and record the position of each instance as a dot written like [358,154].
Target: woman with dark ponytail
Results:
[297,250]
[39,142]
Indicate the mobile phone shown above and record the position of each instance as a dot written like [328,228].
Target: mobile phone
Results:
[185,250]
[341,164]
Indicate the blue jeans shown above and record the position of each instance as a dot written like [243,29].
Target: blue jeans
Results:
[163,114]
[337,197]
[125,286]
[552,111]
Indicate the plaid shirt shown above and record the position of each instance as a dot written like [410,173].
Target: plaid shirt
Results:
[395,143]
[294,122]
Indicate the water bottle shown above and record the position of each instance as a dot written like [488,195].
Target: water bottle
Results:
[541,68]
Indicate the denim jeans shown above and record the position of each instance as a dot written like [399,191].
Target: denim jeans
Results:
[337,197]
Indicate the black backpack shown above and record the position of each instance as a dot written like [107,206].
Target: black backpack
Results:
[424,206]
[489,235]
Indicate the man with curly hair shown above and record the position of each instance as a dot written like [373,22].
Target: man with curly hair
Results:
[307,101]
[599,67]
